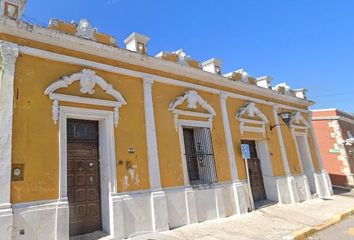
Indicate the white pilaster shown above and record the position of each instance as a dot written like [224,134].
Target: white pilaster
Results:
[281,141]
[158,197]
[323,182]
[159,212]
[228,137]
[154,168]
[9,54]
[240,198]
[291,184]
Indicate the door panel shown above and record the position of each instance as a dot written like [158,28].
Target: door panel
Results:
[255,172]
[83,177]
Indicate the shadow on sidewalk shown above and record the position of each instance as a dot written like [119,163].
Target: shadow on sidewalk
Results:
[343,192]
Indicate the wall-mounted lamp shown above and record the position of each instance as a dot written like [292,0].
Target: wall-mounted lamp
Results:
[286,117]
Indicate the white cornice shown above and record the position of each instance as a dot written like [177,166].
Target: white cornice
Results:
[53,37]
[334,109]
[331,118]
[324,110]
[108,68]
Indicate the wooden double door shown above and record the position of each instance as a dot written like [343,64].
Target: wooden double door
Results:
[83,180]
[255,172]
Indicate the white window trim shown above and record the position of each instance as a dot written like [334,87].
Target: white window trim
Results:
[192,98]
[107,157]
[188,123]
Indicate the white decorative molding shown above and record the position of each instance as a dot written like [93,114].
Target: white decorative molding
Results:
[228,137]
[108,181]
[192,98]
[88,80]
[251,111]
[9,54]
[11,10]
[298,122]
[91,64]
[153,160]
[49,36]
[183,58]
[281,140]
[85,30]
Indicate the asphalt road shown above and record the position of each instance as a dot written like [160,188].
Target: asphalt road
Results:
[341,231]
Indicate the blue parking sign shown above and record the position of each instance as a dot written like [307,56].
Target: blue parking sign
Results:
[245,151]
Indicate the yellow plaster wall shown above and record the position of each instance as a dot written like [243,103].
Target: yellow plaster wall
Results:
[168,138]
[291,150]
[35,137]
[233,106]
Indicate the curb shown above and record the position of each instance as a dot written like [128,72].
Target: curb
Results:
[306,232]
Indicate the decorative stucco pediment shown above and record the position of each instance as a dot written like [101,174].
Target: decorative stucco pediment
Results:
[88,81]
[250,110]
[192,99]
[251,119]
[297,120]
[298,123]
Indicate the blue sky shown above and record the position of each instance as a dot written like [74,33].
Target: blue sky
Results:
[306,43]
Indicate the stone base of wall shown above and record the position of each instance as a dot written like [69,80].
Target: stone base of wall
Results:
[142,212]
[323,184]
[6,221]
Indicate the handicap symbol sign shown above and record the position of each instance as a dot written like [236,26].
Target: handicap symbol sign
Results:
[245,151]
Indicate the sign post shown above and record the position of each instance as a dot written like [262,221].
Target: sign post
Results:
[247,155]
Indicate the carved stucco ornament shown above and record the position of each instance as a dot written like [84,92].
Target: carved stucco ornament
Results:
[250,110]
[183,58]
[244,76]
[192,99]
[11,5]
[88,80]
[298,122]
[85,30]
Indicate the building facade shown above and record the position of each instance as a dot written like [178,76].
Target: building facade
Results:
[98,137]
[335,130]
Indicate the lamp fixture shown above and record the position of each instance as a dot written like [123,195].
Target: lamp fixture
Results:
[286,117]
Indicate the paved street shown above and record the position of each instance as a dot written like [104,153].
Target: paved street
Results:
[272,222]
[341,231]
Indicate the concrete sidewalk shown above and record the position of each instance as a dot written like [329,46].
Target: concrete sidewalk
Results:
[272,222]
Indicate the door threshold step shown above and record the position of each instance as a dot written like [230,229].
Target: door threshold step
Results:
[98,235]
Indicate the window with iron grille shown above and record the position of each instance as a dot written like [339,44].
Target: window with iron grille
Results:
[199,156]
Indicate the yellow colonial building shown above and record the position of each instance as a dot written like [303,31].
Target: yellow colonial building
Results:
[96,136]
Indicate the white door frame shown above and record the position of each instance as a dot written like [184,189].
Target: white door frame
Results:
[107,157]
[265,160]
[308,152]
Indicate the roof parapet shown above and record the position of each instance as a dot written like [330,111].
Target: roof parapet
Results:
[13,9]
[212,65]
[83,29]
[284,88]
[242,76]
[137,42]
[265,81]
[180,57]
